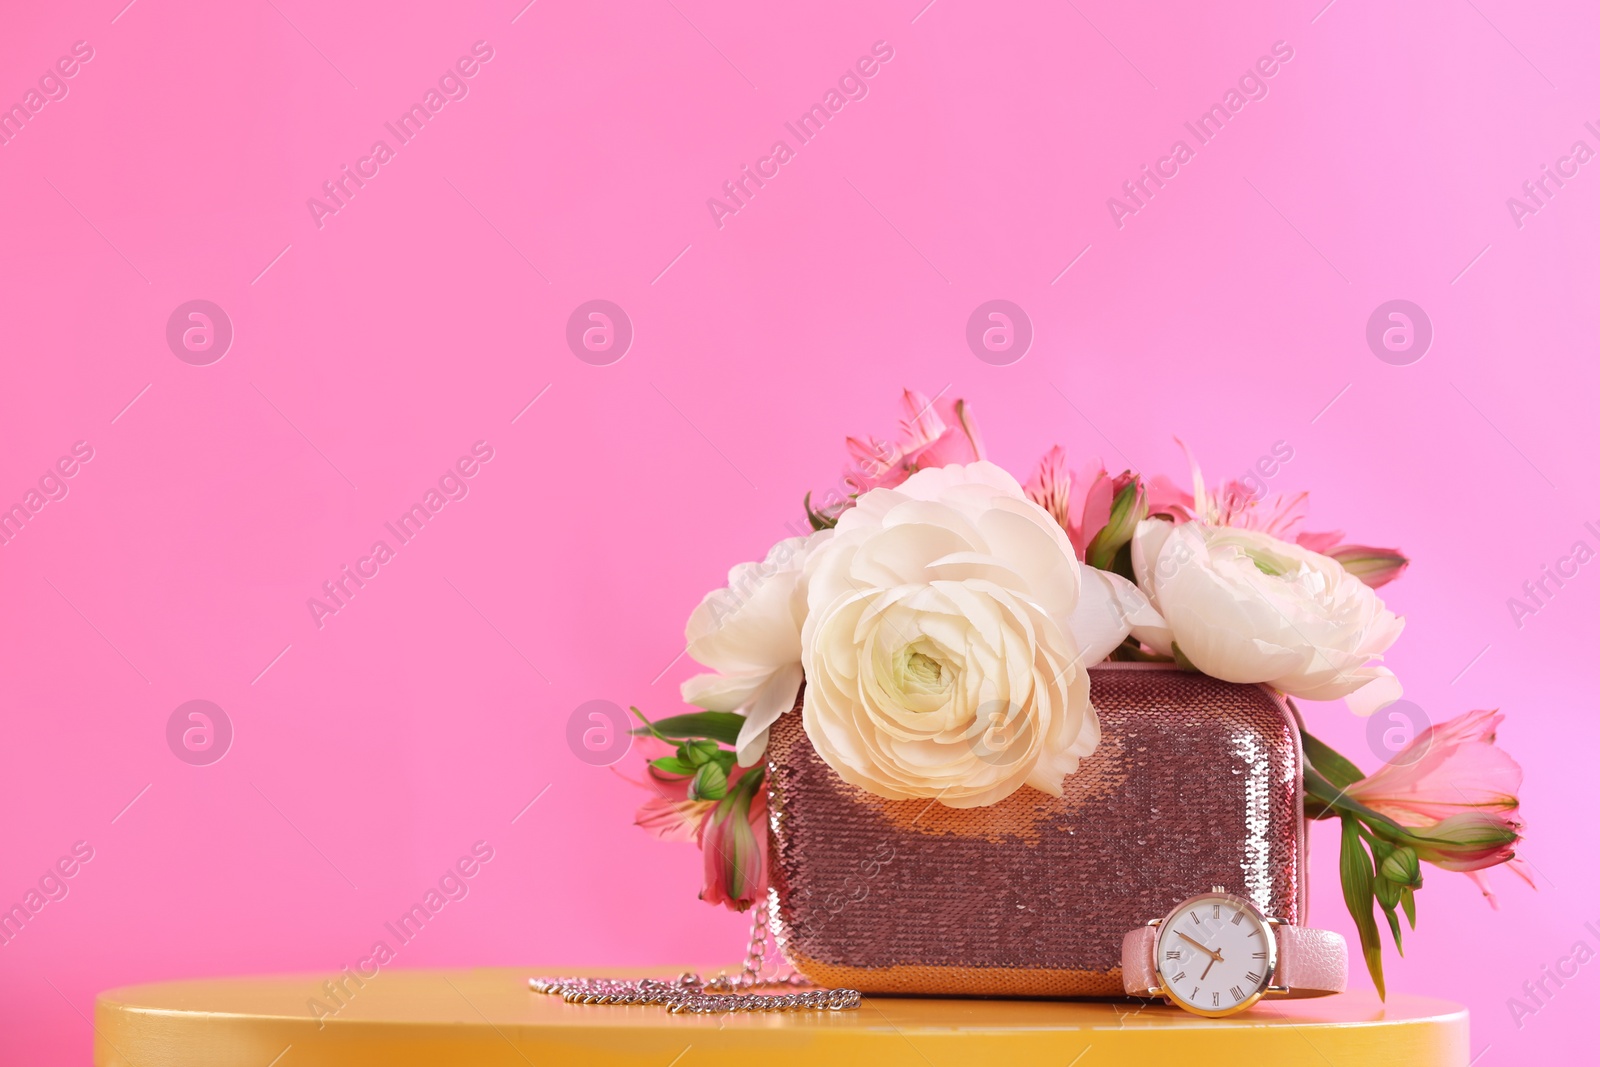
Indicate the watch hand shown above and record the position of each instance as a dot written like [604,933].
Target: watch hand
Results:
[1207,971]
[1215,956]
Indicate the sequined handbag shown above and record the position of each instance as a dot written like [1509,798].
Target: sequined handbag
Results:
[1196,782]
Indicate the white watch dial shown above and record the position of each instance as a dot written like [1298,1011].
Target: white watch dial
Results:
[1215,954]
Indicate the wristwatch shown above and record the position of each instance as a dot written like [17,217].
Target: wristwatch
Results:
[1216,954]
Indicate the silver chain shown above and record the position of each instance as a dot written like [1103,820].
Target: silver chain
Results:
[690,994]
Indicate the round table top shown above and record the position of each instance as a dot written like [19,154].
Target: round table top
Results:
[489,1016]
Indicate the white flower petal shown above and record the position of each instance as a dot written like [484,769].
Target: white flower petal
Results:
[1107,611]
[1244,606]
[772,701]
[722,692]
[1381,690]
[749,634]
[1148,539]
[937,607]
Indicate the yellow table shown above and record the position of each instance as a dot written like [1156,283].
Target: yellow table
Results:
[481,1017]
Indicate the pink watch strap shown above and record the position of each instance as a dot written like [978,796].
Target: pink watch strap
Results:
[1312,963]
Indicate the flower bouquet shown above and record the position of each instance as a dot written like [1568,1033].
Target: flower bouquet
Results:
[931,636]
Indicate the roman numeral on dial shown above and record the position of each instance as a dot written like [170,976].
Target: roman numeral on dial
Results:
[1237,994]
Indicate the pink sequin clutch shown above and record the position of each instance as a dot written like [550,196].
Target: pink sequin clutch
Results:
[1196,783]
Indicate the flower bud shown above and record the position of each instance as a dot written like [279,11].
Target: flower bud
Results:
[710,782]
[1374,566]
[1129,507]
[1387,892]
[1402,868]
[1466,842]
[734,845]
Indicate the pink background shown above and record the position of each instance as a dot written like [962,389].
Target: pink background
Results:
[427,313]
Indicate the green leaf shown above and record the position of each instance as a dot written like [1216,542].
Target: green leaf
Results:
[1355,872]
[710,783]
[1394,926]
[720,726]
[818,520]
[1332,766]
[1323,799]
[1408,901]
[672,765]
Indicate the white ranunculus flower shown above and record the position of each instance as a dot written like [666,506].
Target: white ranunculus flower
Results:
[749,634]
[1244,606]
[939,641]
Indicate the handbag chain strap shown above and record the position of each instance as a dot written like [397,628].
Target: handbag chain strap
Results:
[689,994]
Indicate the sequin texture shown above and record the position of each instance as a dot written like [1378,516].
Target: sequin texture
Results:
[1196,783]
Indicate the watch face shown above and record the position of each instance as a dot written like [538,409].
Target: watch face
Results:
[1215,954]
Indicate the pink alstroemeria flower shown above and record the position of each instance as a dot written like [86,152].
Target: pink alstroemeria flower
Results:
[1279,515]
[1449,768]
[1051,488]
[1080,502]
[1458,790]
[734,845]
[1169,499]
[669,815]
[933,433]
[731,833]
[1240,506]
[674,820]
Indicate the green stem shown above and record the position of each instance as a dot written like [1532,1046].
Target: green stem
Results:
[1331,802]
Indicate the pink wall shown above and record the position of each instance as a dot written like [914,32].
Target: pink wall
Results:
[370,753]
